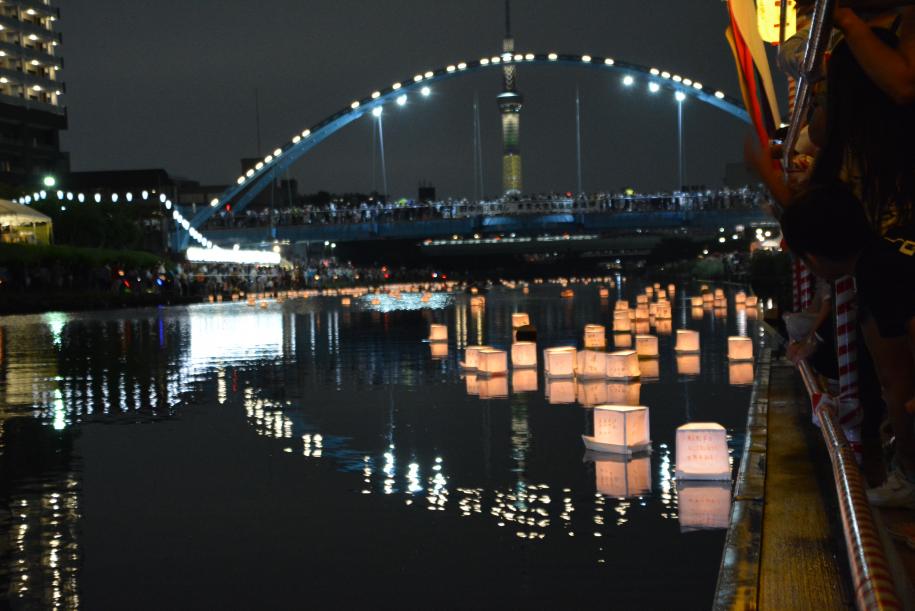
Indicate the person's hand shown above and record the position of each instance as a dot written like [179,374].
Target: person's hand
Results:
[842,18]
[798,351]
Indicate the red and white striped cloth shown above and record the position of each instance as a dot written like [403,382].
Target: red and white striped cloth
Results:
[850,412]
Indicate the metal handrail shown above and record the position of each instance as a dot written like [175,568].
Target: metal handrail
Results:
[874,587]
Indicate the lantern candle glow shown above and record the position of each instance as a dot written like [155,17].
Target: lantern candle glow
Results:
[492,361]
[619,429]
[520,319]
[623,365]
[595,336]
[702,452]
[646,346]
[592,364]
[740,348]
[687,341]
[524,354]
[560,362]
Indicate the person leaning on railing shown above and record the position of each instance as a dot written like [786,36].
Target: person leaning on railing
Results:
[827,227]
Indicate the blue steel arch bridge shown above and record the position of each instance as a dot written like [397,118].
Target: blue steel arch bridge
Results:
[247,186]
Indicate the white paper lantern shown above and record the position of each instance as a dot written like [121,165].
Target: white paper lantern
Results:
[664,327]
[641,300]
[472,356]
[623,365]
[473,386]
[752,301]
[721,312]
[697,313]
[650,369]
[621,322]
[671,290]
[492,361]
[595,336]
[696,301]
[493,387]
[719,293]
[524,354]
[687,341]
[592,392]
[740,348]
[376,301]
[646,346]
[520,319]
[524,380]
[688,364]
[620,476]
[560,391]
[560,362]
[652,309]
[642,312]
[345,301]
[703,505]
[641,327]
[439,350]
[740,297]
[740,373]
[662,294]
[592,364]
[603,292]
[621,305]
[662,310]
[720,302]
[702,452]
[619,429]
[707,298]
[624,393]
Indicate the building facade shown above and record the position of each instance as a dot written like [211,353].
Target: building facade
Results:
[510,103]
[32,112]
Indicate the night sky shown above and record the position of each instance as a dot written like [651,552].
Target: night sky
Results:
[171,84]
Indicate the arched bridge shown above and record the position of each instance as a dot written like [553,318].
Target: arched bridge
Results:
[249,185]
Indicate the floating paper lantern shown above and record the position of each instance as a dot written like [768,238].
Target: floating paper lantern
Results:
[493,387]
[650,369]
[688,364]
[622,340]
[664,327]
[592,364]
[641,327]
[559,362]
[619,429]
[211,298]
[439,349]
[520,319]
[642,312]
[524,354]
[662,294]
[703,288]
[567,293]
[740,373]
[492,361]
[603,293]
[473,384]
[623,365]
[472,356]
[438,333]
[707,298]
[560,391]
[702,451]
[662,310]
[646,346]
[376,301]
[621,305]
[671,290]
[624,393]
[652,309]
[592,392]
[752,301]
[595,336]
[740,297]
[752,314]
[524,380]
[687,341]
[621,476]
[703,505]
[697,313]
[641,300]
[525,290]
[721,313]
[263,305]
[719,293]
[426,297]
[478,301]
[474,290]
[656,285]
[696,301]
[621,322]
[345,301]
[740,348]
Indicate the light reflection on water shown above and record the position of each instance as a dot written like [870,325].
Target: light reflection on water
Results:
[355,389]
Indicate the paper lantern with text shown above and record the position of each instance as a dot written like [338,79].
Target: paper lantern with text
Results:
[641,327]
[740,373]
[740,348]
[621,322]
[560,362]
[703,505]
[439,350]
[473,386]
[520,319]
[621,476]
[702,452]
[696,301]
[472,356]
[524,380]
[720,302]
[592,364]
[524,354]
[662,310]
[662,294]
[642,312]
[592,392]
[752,301]
[622,341]
[721,313]
[603,292]
[719,293]
[623,393]
[595,336]
[646,346]
[688,364]
[623,365]
[619,429]
[621,305]
[687,341]
[664,327]
[493,387]
[641,300]
[652,309]
[560,391]
[651,370]
[492,361]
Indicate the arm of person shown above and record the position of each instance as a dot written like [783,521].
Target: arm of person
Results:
[761,160]
[892,70]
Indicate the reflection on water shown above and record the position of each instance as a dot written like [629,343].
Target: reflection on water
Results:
[347,407]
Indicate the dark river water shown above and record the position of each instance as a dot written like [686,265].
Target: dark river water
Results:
[310,454]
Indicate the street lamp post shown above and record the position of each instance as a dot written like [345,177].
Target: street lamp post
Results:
[680,97]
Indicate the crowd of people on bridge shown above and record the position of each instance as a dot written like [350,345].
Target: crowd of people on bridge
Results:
[378,211]
[848,203]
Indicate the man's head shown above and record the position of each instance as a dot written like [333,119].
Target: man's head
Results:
[826,226]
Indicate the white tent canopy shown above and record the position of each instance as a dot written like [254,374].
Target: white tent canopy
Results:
[13,214]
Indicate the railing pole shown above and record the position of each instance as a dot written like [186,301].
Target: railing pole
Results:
[849,408]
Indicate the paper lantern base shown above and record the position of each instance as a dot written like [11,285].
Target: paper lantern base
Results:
[556,376]
[491,374]
[624,378]
[710,477]
[734,359]
[685,351]
[592,445]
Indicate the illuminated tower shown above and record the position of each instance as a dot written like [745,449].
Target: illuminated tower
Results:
[510,103]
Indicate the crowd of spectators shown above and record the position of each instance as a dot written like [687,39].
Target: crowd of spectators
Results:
[848,211]
[375,211]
